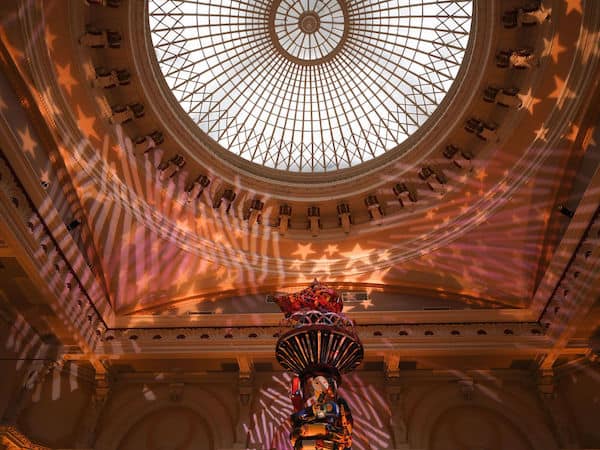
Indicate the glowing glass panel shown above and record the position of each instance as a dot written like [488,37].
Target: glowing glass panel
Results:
[309,85]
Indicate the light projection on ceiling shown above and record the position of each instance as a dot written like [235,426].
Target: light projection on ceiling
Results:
[311,85]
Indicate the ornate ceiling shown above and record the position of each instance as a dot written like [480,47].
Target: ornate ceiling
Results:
[161,226]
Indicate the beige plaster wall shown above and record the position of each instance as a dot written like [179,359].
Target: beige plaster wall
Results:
[581,392]
[419,410]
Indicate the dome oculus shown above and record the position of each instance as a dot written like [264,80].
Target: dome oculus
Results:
[309,85]
[308,32]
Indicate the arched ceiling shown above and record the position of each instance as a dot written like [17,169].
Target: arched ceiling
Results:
[481,240]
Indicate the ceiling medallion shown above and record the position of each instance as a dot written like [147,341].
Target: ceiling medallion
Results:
[308,33]
[309,85]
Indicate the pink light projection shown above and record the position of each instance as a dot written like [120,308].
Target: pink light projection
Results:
[154,250]
[269,428]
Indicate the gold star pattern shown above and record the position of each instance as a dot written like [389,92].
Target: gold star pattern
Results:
[529,101]
[331,249]
[221,271]
[553,48]
[367,303]
[357,255]
[541,133]
[561,92]
[50,38]
[304,250]
[384,256]
[573,5]
[86,123]
[296,264]
[117,149]
[588,140]
[377,277]
[65,78]
[322,266]
[183,223]
[27,142]
[573,132]
[480,174]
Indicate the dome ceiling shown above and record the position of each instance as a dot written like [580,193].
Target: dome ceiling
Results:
[493,218]
[172,249]
[314,85]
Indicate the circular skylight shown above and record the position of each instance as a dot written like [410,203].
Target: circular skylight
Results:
[309,85]
[308,32]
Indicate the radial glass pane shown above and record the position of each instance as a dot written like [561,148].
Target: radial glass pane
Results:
[309,85]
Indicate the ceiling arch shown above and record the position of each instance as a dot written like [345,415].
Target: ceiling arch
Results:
[501,198]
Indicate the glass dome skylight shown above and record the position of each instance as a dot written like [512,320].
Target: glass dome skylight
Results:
[309,85]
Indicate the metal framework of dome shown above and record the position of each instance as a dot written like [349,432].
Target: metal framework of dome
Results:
[309,85]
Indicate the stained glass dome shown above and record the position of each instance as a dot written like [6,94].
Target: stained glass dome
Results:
[309,85]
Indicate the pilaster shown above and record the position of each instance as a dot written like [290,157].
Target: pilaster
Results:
[555,410]
[89,428]
[396,392]
[245,396]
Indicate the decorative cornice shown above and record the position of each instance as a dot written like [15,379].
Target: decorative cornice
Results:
[13,439]
[73,301]
[575,293]
[39,107]
[472,338]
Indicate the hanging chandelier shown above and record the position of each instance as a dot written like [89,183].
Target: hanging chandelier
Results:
[319,347]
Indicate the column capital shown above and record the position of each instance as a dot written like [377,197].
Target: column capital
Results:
[246,367]
[391,363]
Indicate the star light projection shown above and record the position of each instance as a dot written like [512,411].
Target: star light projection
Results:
[161,230]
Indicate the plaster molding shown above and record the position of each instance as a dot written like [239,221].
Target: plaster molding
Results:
[13,439]
[19,211]
[415,339]
[39,99]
